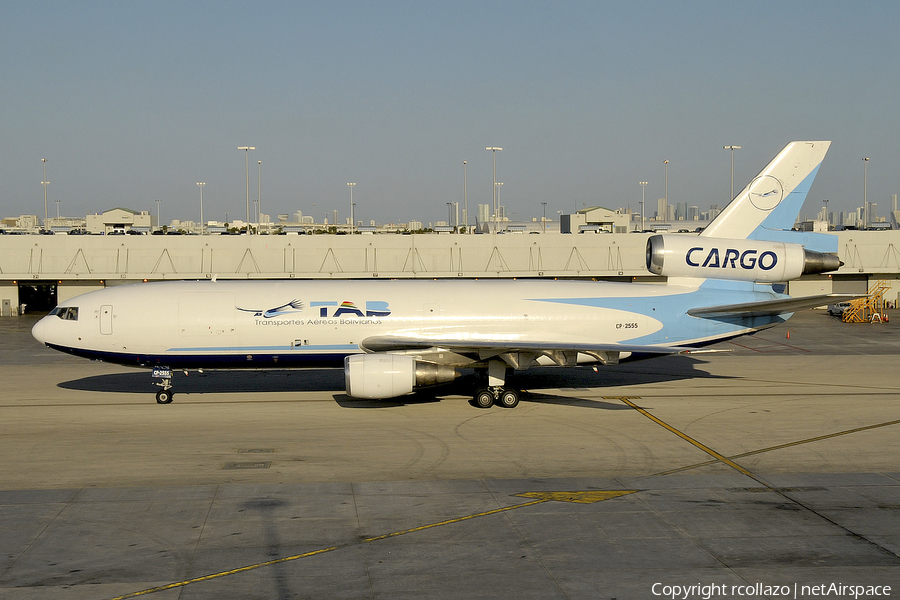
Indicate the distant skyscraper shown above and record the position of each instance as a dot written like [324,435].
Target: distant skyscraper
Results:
[662,210]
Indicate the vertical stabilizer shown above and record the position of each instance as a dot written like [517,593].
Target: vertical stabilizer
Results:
[772,201]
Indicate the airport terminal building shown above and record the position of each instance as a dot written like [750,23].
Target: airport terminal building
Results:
[38,271]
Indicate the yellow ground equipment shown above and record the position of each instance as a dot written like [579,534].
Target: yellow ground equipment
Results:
[869,309]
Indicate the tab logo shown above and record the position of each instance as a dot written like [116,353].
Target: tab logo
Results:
[731,259]
[374,308]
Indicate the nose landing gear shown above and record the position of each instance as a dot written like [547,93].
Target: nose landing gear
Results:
[165,395]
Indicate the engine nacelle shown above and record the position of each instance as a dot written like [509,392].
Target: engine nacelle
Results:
[376,376]
[742,260]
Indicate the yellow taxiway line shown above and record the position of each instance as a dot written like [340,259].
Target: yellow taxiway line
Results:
[540,497]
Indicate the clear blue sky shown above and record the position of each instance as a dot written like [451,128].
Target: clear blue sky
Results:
[131,102]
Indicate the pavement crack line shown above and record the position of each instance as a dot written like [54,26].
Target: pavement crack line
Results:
[536,554]
[358,527]
[576,497]
[40,534]
[277,561]
[212,503]
[627,400]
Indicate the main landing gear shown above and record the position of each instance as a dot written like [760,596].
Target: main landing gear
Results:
[501,396]
[496,392]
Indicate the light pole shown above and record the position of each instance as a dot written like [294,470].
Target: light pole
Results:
[494,151]
[158,224]
[200,185]
[499,188]
[45,183]
[544,218]
[259,196]
[866,191]
[247,150]
[466,194]
[57,209]
[732,148]
[643,185]
[351,186]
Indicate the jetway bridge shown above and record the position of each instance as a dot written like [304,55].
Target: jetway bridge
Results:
[42,270]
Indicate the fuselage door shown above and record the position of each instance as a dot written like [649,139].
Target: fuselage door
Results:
[106,319]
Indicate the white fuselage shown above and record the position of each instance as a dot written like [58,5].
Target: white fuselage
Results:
[265,324]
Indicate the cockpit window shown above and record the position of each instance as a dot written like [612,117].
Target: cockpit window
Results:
[66,313]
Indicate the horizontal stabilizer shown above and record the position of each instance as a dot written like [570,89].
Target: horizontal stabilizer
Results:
[769,307]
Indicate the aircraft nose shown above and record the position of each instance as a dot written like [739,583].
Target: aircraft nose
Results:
[39,331]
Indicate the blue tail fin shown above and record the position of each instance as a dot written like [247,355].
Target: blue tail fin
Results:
[770,204]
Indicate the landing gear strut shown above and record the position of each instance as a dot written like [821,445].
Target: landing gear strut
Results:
[496,392]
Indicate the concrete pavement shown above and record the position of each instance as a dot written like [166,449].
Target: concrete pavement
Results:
[775,464]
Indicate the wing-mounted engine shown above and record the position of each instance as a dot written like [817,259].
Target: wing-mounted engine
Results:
[741,260]
[376,376]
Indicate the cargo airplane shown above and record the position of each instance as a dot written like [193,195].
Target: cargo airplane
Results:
[395,336]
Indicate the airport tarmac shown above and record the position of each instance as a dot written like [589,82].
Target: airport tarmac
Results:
[764,472]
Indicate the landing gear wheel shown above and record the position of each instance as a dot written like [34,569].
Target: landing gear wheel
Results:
[164,397]
[508,398]
[484,398]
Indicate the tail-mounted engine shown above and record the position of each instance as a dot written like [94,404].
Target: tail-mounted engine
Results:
[375,376]
[742,260]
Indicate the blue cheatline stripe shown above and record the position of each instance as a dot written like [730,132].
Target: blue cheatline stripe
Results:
[246,349]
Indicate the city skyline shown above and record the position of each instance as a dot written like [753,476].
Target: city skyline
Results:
[134,103]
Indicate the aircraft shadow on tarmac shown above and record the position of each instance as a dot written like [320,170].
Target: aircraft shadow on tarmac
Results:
[215,382]
[532,381]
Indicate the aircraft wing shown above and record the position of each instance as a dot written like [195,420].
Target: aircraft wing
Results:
[476,349]
[768,307]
